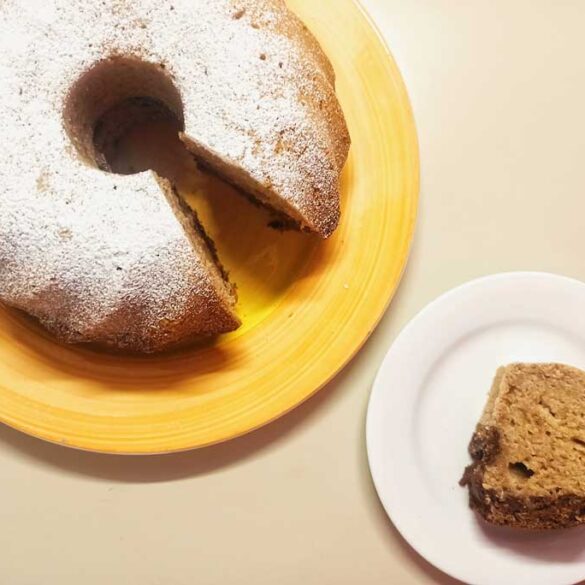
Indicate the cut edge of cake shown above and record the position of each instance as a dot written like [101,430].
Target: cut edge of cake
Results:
[205,249]
[322,222]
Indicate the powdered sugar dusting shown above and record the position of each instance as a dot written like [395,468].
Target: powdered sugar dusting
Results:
[102,257]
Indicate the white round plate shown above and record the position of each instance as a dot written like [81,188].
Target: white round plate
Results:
[426,401]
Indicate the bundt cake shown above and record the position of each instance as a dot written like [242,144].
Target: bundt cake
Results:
[120,260]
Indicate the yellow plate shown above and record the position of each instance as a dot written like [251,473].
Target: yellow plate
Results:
[307,305]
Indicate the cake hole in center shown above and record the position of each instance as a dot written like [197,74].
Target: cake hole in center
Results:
[139,134]
[124,116]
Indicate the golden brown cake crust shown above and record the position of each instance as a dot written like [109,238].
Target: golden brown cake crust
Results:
[528,460]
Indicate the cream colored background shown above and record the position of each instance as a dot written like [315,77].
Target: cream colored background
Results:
[498,88]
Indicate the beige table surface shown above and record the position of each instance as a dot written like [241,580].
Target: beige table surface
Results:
[498,89]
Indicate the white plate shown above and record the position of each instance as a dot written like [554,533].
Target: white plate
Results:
[426,401]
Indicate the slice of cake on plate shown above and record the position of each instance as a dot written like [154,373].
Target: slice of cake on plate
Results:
[528,449]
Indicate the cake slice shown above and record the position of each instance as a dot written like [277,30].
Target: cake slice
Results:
[528,449]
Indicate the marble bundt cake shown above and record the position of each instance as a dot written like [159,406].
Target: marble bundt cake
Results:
[120,260]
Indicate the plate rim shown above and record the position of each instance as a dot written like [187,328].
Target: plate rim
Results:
[377,390]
